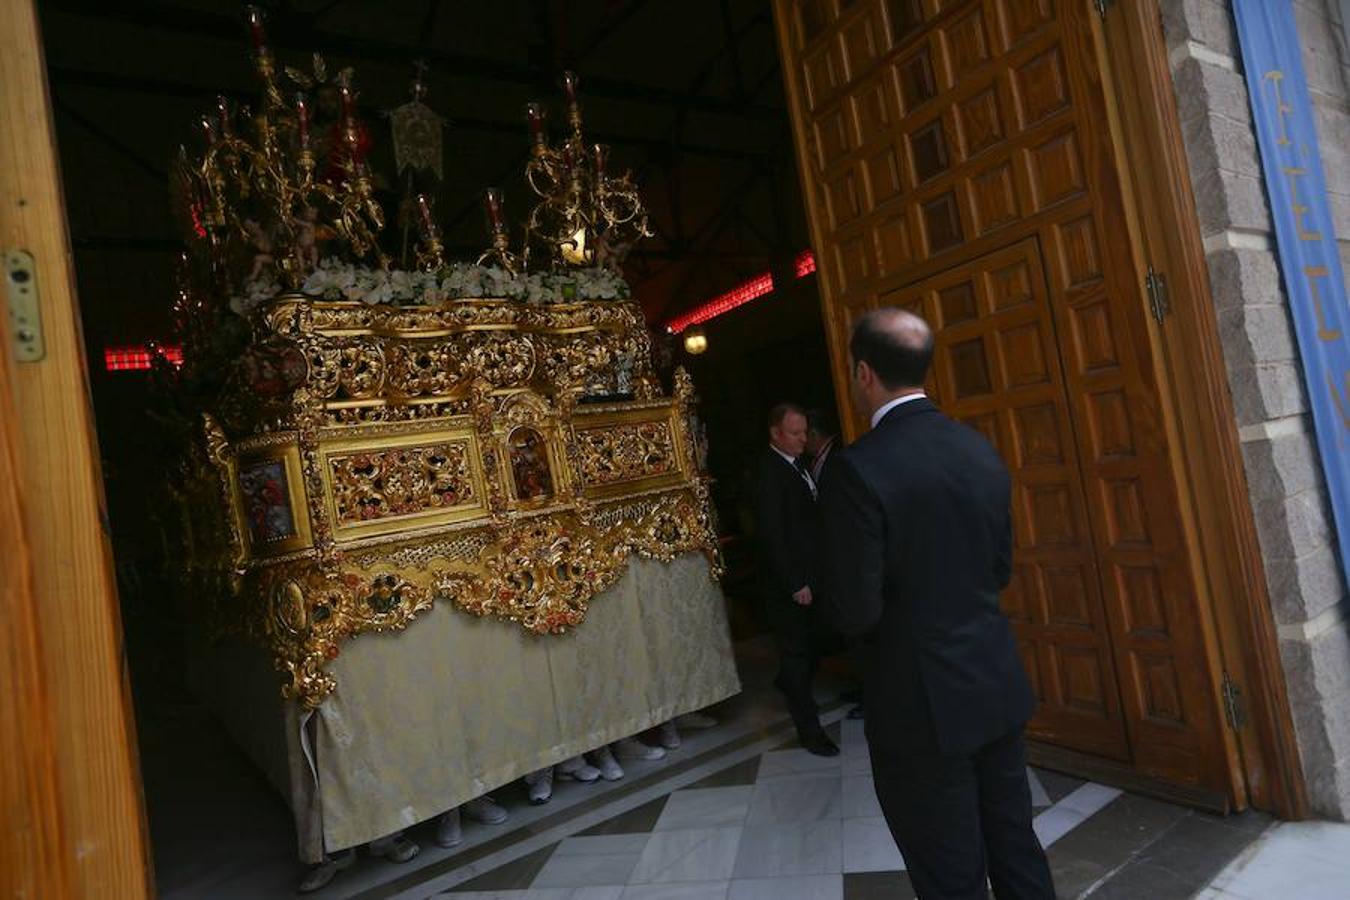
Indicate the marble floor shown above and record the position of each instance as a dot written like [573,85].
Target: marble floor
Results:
[1303,860]
[739,811]
[785,825]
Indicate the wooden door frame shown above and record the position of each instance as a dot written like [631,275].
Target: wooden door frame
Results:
[32,863]
[70,779]
[1202,426]
[1190,374]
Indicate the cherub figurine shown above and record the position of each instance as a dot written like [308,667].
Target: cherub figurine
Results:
[261,243]
[307,239]
[610,255]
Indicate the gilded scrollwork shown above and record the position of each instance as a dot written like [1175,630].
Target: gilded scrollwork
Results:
[361,368]
[541,573]
[420,368]
[628,452]
[504,360]
[344,352]
[453,454]
[325,368]
[309,614]
[400,481]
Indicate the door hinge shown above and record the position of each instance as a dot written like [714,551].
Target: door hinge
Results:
[1233,710]
[1156,286]
[1102,7]
[25,314]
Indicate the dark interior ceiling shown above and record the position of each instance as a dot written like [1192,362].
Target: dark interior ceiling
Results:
[687,93]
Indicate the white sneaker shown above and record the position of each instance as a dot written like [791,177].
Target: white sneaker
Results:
[696,720]
[669,735]
[610,770]
[449,832]
[632,748]
[541,786]
[577,769]
[485,810]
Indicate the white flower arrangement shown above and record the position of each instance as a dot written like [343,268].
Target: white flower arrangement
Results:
[256,292]
[466,281]
[337,280]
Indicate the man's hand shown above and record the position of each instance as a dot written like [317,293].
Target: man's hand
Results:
[803,597]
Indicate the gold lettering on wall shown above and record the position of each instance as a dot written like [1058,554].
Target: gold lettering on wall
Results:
[1275,78]
[1312,273]
[1294,174]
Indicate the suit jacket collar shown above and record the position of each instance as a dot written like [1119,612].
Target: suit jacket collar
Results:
[780,464]
[906,410]
[782,457]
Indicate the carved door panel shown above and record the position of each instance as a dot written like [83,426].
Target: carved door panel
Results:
[997,368]
[956,158]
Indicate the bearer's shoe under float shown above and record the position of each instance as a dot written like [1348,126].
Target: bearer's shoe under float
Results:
[322,875]
[449,829]
[632,748]
[577,769]
[397,848]
[486,811]
[609,767]
[540,785]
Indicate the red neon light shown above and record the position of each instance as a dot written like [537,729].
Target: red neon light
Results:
[739,296]
[138,358]
[804,264]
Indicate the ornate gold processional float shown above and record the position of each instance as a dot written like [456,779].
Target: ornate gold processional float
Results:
[381,432]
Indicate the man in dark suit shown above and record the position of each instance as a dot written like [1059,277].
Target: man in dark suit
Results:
[917,524]
[822,436]
[788,538]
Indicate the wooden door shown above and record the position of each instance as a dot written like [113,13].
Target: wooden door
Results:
[70,783]
[956,158]
[998,369]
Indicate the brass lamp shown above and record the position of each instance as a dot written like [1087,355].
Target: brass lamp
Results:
[695,340]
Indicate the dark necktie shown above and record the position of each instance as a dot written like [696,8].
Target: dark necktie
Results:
[800,465]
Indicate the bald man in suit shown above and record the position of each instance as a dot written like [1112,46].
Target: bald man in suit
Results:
[918,545]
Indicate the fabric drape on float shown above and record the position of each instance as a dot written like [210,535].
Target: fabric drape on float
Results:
[456,706]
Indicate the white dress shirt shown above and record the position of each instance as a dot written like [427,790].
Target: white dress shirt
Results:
[887,407]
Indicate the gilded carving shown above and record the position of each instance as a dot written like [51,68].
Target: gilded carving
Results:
[436,454]
[626,452]
[540,573]
[356,351]
[398,482]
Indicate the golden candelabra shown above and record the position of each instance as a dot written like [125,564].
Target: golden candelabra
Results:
[267,190]
[586,215]
[430,254]
[500,251]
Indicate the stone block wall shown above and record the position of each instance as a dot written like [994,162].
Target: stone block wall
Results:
[1288,493]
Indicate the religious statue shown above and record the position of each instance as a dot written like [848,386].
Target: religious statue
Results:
[610,254]
[260,242]
[307,238]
